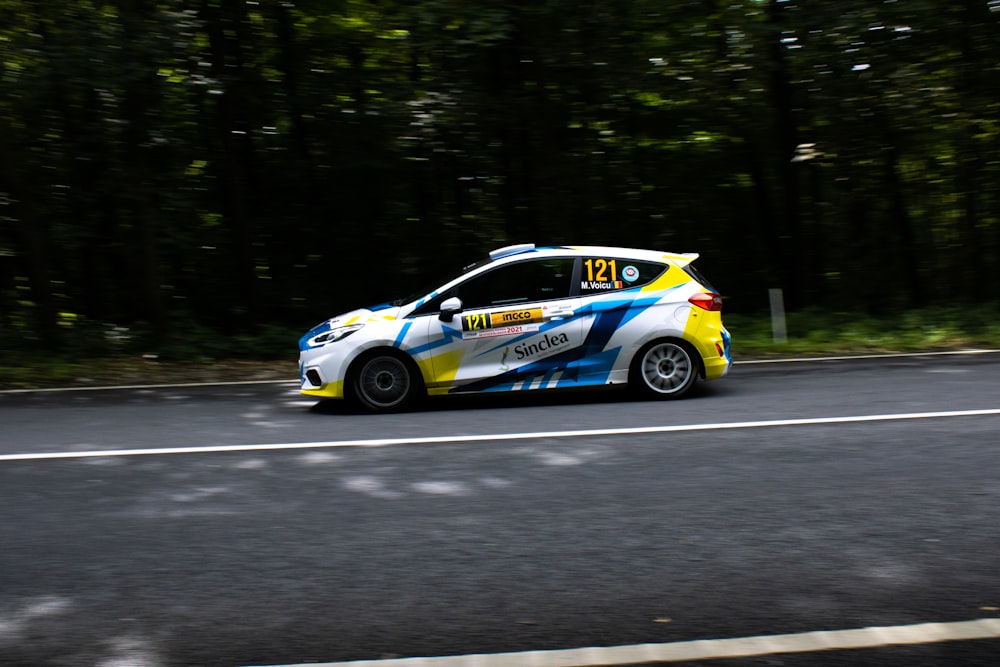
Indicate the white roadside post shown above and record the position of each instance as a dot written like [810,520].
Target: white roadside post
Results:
[778,328]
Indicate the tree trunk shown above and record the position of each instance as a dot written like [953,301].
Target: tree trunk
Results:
[233,132]
[142,96]
[789,238]
[34,247]
[903,228]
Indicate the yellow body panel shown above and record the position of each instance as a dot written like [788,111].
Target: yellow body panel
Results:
[670,278]
[704,331]
[328,390]
[440,370]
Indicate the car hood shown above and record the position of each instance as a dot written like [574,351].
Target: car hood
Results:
[379,313]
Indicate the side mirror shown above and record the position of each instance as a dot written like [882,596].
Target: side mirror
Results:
[449,307]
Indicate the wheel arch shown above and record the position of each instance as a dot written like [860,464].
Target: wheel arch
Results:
[355,364]
[639,386]
[691,348]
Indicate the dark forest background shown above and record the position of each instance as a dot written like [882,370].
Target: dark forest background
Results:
[170,166]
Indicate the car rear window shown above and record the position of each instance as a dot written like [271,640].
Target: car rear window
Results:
[601,274]
[696,274]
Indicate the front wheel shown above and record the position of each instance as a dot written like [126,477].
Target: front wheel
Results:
[664,369]
[385,383]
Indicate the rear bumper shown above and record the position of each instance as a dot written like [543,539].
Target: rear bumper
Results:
[714,345]
[716,367]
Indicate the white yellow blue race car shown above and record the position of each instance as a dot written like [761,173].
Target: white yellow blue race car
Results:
[528,318]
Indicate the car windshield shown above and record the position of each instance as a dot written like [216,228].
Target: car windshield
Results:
[433,286]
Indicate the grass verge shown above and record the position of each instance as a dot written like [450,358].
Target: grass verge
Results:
[815,332]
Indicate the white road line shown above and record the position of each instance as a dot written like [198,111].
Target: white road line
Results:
[496,437]
[706,649]
[176,385]
[856,357]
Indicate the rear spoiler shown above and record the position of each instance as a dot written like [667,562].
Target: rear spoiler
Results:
[681,259]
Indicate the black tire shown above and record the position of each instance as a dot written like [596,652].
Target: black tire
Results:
[385,381]
[664,369]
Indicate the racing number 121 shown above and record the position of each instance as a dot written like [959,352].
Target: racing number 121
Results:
[477,321]
[597,270]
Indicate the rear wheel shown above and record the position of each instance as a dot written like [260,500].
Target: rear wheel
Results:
[385,382]
[664,369]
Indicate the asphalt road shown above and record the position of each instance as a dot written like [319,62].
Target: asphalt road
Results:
[782,499]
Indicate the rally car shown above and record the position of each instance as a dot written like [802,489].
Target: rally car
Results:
[528,318]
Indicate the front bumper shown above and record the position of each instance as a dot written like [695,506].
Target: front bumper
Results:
[321,374]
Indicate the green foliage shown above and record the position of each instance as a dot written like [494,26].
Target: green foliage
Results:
[201,344]
[819,332]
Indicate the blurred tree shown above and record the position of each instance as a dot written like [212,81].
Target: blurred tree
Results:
[173,163]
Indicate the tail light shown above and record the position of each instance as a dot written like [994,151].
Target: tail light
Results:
[707,300]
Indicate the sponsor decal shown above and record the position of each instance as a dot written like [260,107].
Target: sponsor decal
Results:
[540,346]
[516,317]
[505,318]
[630,274]
[595,285]
[500,331]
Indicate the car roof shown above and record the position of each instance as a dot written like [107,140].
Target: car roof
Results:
[680,259]
[514,253]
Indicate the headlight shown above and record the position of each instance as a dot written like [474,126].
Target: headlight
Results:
[333,335]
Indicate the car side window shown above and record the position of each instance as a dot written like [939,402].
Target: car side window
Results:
[523,282]
[602,274]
